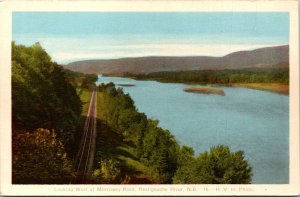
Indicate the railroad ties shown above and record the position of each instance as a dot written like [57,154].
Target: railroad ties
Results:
[84,156]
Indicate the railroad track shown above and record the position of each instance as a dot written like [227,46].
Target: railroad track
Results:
[85,155]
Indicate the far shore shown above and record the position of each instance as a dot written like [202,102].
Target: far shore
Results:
[279,88]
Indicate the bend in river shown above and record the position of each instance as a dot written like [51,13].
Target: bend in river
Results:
[254,121]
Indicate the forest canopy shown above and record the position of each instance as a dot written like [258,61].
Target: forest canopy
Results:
[247,75]
[46,116]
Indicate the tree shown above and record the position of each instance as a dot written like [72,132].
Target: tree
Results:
[247,75]
[107,172]
[186,166]
[39,158]
[219,166]
[43,96]
[160,151]
[88,81]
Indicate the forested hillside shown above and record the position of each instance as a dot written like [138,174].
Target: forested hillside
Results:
[250,75]
[46,116]
[269,57]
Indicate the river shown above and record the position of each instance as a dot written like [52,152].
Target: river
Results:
[254,121]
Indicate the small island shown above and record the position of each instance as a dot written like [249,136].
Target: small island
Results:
[126,85]
[205,90]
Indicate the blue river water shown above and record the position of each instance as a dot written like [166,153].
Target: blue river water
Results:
[254,121]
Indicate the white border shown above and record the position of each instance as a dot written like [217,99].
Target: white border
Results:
[7,7]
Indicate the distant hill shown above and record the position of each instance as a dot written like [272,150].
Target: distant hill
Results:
[260,58]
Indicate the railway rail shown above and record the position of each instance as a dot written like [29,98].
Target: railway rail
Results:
[84,158]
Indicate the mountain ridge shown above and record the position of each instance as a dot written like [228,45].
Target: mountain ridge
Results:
[266,57]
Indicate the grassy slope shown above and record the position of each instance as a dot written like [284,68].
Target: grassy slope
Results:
[85,97]
[113,145]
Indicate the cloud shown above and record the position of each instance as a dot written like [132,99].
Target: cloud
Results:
[68,49]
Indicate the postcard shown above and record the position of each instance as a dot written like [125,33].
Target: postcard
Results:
[159,98]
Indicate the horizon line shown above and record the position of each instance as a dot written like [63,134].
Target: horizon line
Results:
[166,56]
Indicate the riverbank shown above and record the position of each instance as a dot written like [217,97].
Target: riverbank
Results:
[268,79]
[279,88]
[115,149]
[205,90]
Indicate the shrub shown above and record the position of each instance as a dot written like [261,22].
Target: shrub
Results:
[39,158]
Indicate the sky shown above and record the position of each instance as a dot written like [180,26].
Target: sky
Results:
[72,36]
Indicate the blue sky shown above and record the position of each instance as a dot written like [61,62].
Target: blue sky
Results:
[70,36]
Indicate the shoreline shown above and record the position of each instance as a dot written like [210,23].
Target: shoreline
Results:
[278,88]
